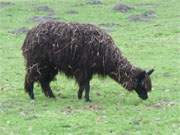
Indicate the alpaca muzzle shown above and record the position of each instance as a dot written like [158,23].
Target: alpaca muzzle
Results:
[143,97]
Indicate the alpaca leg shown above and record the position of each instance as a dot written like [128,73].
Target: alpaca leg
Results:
[87,90]
[28,86]
[47,89]
[83,80]
[80,92]
[86,87]
[46,77]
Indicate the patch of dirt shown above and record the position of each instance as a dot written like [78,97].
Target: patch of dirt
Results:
[45,8]
[28,114]
[72,12]
[144,17]
[67,110]
[94,2]
[93,107]
[98,94]
[49,17]
[163,103]
[40,19]
[109,24]
[135,122]
[19,31]
[79,5]
[123,8]
[5,4]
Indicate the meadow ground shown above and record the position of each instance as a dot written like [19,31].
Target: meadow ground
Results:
[148,34]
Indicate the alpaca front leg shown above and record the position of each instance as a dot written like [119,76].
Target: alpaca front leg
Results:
[83,80]
[87,91]
[80,92]
[47,89]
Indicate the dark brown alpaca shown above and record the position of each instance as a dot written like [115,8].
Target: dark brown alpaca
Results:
[78,50]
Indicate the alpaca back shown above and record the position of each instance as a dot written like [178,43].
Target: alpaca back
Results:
[69,46]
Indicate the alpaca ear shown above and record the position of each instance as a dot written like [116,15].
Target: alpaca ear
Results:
[150,71]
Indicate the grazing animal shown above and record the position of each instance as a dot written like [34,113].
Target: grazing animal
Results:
[80,51]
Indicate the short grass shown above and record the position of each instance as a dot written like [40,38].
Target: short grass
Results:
[114,111]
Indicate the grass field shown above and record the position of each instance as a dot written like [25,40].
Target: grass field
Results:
[148,35]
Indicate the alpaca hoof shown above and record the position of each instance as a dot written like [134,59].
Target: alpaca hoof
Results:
[79,96]
[49,94]
[88,100]
[31,95]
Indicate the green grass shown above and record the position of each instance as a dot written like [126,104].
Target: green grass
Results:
[113,111]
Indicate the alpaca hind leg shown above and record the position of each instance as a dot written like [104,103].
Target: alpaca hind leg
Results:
[28,86]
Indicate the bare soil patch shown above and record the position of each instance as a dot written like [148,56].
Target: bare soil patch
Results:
[4,4]
[163,103]
[109,24]
[44,8]
[72,12]
[40,19]
[67,110]
[79,5]
[123,8]
[93,107]
[144,17]
[94,2]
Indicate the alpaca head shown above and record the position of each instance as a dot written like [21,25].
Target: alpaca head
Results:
[143,85]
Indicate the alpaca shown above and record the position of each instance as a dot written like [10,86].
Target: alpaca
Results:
[79,51]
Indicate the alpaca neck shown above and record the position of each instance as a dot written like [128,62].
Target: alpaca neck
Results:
[124,73]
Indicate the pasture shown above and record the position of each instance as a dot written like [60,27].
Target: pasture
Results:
[148,34]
